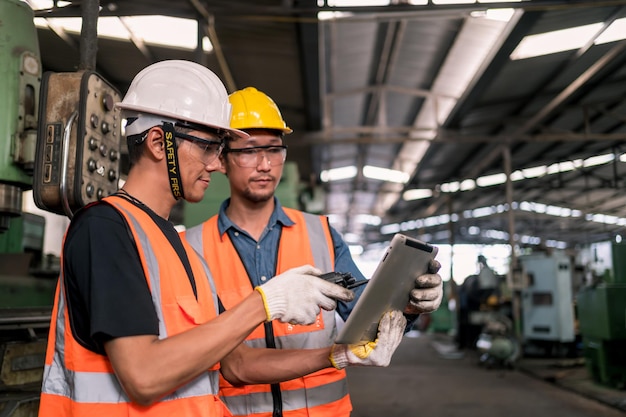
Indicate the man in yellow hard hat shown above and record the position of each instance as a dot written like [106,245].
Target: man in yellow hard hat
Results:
[258,238]
[135,328]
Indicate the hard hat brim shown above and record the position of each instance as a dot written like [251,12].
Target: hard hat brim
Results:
[233,133]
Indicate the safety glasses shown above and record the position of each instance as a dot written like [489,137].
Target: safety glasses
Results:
[207,149]
[253,156]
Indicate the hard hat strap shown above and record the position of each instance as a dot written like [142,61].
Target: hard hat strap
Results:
[171,151]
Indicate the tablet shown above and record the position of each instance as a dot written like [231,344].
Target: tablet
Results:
[404,260]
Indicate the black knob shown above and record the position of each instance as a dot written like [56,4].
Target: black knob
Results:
[93,143]
[107,102]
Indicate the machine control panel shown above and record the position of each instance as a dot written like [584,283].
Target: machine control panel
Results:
[78,142]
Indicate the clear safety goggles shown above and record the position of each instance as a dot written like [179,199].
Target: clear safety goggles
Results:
[207,150]
[253,156]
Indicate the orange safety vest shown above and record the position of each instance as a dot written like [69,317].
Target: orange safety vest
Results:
[78,382]
[308,241]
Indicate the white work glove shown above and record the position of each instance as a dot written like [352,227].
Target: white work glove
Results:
[296,295]
[427,294]
[376,353]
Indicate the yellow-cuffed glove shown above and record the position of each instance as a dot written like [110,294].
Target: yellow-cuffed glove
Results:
[296,295]
[376,353]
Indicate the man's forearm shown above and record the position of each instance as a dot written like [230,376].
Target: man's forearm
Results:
[247,365]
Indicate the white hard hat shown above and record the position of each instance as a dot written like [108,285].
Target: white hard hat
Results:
[176,90]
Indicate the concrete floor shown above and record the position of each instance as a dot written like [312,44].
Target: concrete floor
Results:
[421,382]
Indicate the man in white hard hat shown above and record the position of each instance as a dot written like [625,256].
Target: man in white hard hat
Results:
[136,328]
[258,237]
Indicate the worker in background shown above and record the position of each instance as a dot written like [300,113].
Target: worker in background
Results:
[487,279]
[135,327]
[474,294]
[258,238]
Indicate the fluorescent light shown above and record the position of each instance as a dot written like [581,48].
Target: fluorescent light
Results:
[483,212]
[489,180]
[336,174]
[357,3]
[598,160]
[333,15]
[390,228]
[535,172]
[451,187]
[556,41]
[453,1]
[467,185]
[417,194]
[385,174]
[367,219]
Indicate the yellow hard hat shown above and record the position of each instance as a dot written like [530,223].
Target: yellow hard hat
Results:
[253,109]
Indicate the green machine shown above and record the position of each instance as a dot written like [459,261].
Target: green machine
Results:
[25,300]
[20,78]
[602,320]
[21,234]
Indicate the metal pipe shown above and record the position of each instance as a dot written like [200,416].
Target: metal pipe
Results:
[229,81]
[89,34]
[514,288]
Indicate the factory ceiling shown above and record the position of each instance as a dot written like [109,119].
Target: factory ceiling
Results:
[439,93]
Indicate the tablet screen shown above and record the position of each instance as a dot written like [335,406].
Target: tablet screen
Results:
[404,260]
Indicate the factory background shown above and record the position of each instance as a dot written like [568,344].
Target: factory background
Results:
[493,130]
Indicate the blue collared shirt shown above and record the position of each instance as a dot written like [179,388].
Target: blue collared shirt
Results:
[259,257]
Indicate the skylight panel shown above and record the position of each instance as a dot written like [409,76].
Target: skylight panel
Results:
[556,41]
[615,32]
[165,30]
[153,30]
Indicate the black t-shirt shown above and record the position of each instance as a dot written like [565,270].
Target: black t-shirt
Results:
[107,292]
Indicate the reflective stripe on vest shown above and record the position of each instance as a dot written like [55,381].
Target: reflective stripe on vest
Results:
[307,241]
[260,402]
[75,378]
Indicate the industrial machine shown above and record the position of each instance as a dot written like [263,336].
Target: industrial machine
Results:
[602,319]
[78,151]
[497,344]
[26,300]
[547,304]
[20,78]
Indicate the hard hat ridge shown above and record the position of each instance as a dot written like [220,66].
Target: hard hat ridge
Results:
[177,90]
